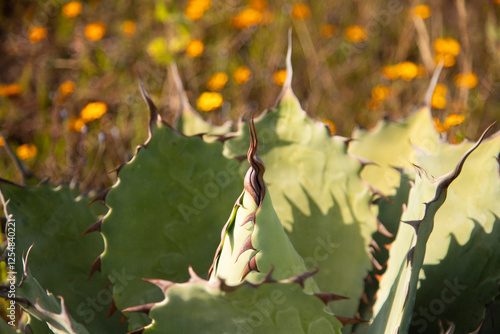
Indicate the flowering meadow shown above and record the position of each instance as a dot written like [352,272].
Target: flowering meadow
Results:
[70,107]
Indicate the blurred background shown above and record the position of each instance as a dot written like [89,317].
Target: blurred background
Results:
[70,107]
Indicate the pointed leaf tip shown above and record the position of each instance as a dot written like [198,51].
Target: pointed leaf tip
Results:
[301,278]
[349,321]
[96,227]
[146,308]
[329,297]
[112,309]
[161,283]
[96,266]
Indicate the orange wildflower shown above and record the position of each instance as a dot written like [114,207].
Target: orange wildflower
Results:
[355,34]
[300,11]
[10,90]
[26,151]
[194,48]
[95,31]
[279,77]
[72,9]
[247,18]
[93,110]
[129,28]
[209,101]
[36,34]
[242,75]
[468,80]
[217,81]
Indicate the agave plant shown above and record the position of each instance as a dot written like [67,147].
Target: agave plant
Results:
[396,231]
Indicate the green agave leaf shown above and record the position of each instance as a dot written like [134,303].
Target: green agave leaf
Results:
[461,270]
[53,221]
[165,212]
[253,240]
[394,307]
[391,144]
[270,306]
[44,306]
[189,122]
[317,193]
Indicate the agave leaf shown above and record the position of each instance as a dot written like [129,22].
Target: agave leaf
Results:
[394,306]
[269,306]
[53,220]
[165,212]
[317,193]
[461,268]
[253,240]
[391,144]
[44,306]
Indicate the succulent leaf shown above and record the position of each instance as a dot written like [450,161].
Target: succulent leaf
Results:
[53,220]
[269,306]
[165,212]
[317,193]
[253,241]
[392,144]
[394,306]
[461,269]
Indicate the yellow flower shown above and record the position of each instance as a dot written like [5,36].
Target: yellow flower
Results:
[95,31]
[242,75]
[129,28]
[67,87]
[391,72]
[327,30]
[209,101]
[468,80]
[92,111]
[279,77]
[10,90]
[246,18]
[407,70]
[194,48]
[440,89]
[438,101]
[72,9]
[196,8]
[260,5]
[449,60]
[76,124]
[355,34]
[447,46]
[380,93]
[422,11]
[36,34]
[2,141]
[440,127]
[331,126]
[26,151]
[300,11]
[454,119]
[217,81]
